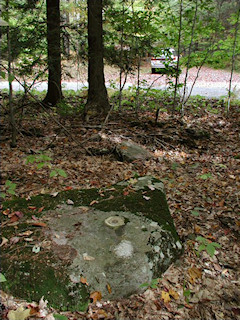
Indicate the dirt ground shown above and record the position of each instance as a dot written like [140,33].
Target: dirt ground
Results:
[196,157]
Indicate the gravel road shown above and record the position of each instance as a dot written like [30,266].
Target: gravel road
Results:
[210,82]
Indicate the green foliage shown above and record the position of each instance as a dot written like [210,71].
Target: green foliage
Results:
[57,172]
[27,36]
[195,211]
[2,278]
[206,176]
[208,246]
[11,78]
[59,317]
[186,292]
[9,188]
[43,160]
[129,34]
[153,284]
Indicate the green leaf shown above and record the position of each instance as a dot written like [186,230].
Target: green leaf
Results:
[41,165]
[11,78]
[8,183]
[202,240]
[10,191]
[154,283]
[62,173]
[145,284]
[53,173]
[2,278]
[205,176]
[12,187]
[201,247]
[186,293]
[195,213]
[198,209]
[44,157]
[2,195]
[216,245]
[2,74]
[31,159]
[210,249]
[60,317]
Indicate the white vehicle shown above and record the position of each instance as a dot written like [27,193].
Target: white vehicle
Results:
[166,61]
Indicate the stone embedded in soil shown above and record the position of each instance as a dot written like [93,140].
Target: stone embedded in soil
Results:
[129,151]
[122,257]
[138,243]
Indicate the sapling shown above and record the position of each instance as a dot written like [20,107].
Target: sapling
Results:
[207,245]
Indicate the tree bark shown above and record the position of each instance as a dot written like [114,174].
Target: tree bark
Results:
[54,93]
[97,103]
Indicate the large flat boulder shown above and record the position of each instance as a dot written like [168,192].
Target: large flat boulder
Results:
[115,239]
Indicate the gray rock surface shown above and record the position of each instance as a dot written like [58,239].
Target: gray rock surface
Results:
[115,249]
[129,151]
[114,238]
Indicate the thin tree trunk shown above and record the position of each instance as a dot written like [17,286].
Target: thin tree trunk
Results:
[233,61]
[12,121]
[54,93]
[189,53]
[178,54]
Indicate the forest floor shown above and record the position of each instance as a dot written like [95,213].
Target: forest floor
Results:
[198,159]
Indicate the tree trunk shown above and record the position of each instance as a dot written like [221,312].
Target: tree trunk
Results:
[54,93]
[12,120]
[178,55]
[233,60]
[97,103]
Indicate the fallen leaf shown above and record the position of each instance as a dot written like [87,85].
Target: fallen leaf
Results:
[26,233]
[149,295]
[151,187]
[68,188]
[70,202]
[109,289]
[93,202]
[6,212]
[86,257]
[146,198]
[19,214]
[54,194]
[14,218]
[165,296]
[197,229]
[39,224]
[173,294]
[14,240]
[34,310]
[96,296]
[83,281]
[19,314]
[43,307]
[4,241]
[194,274]
[40,209]
[32,207]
